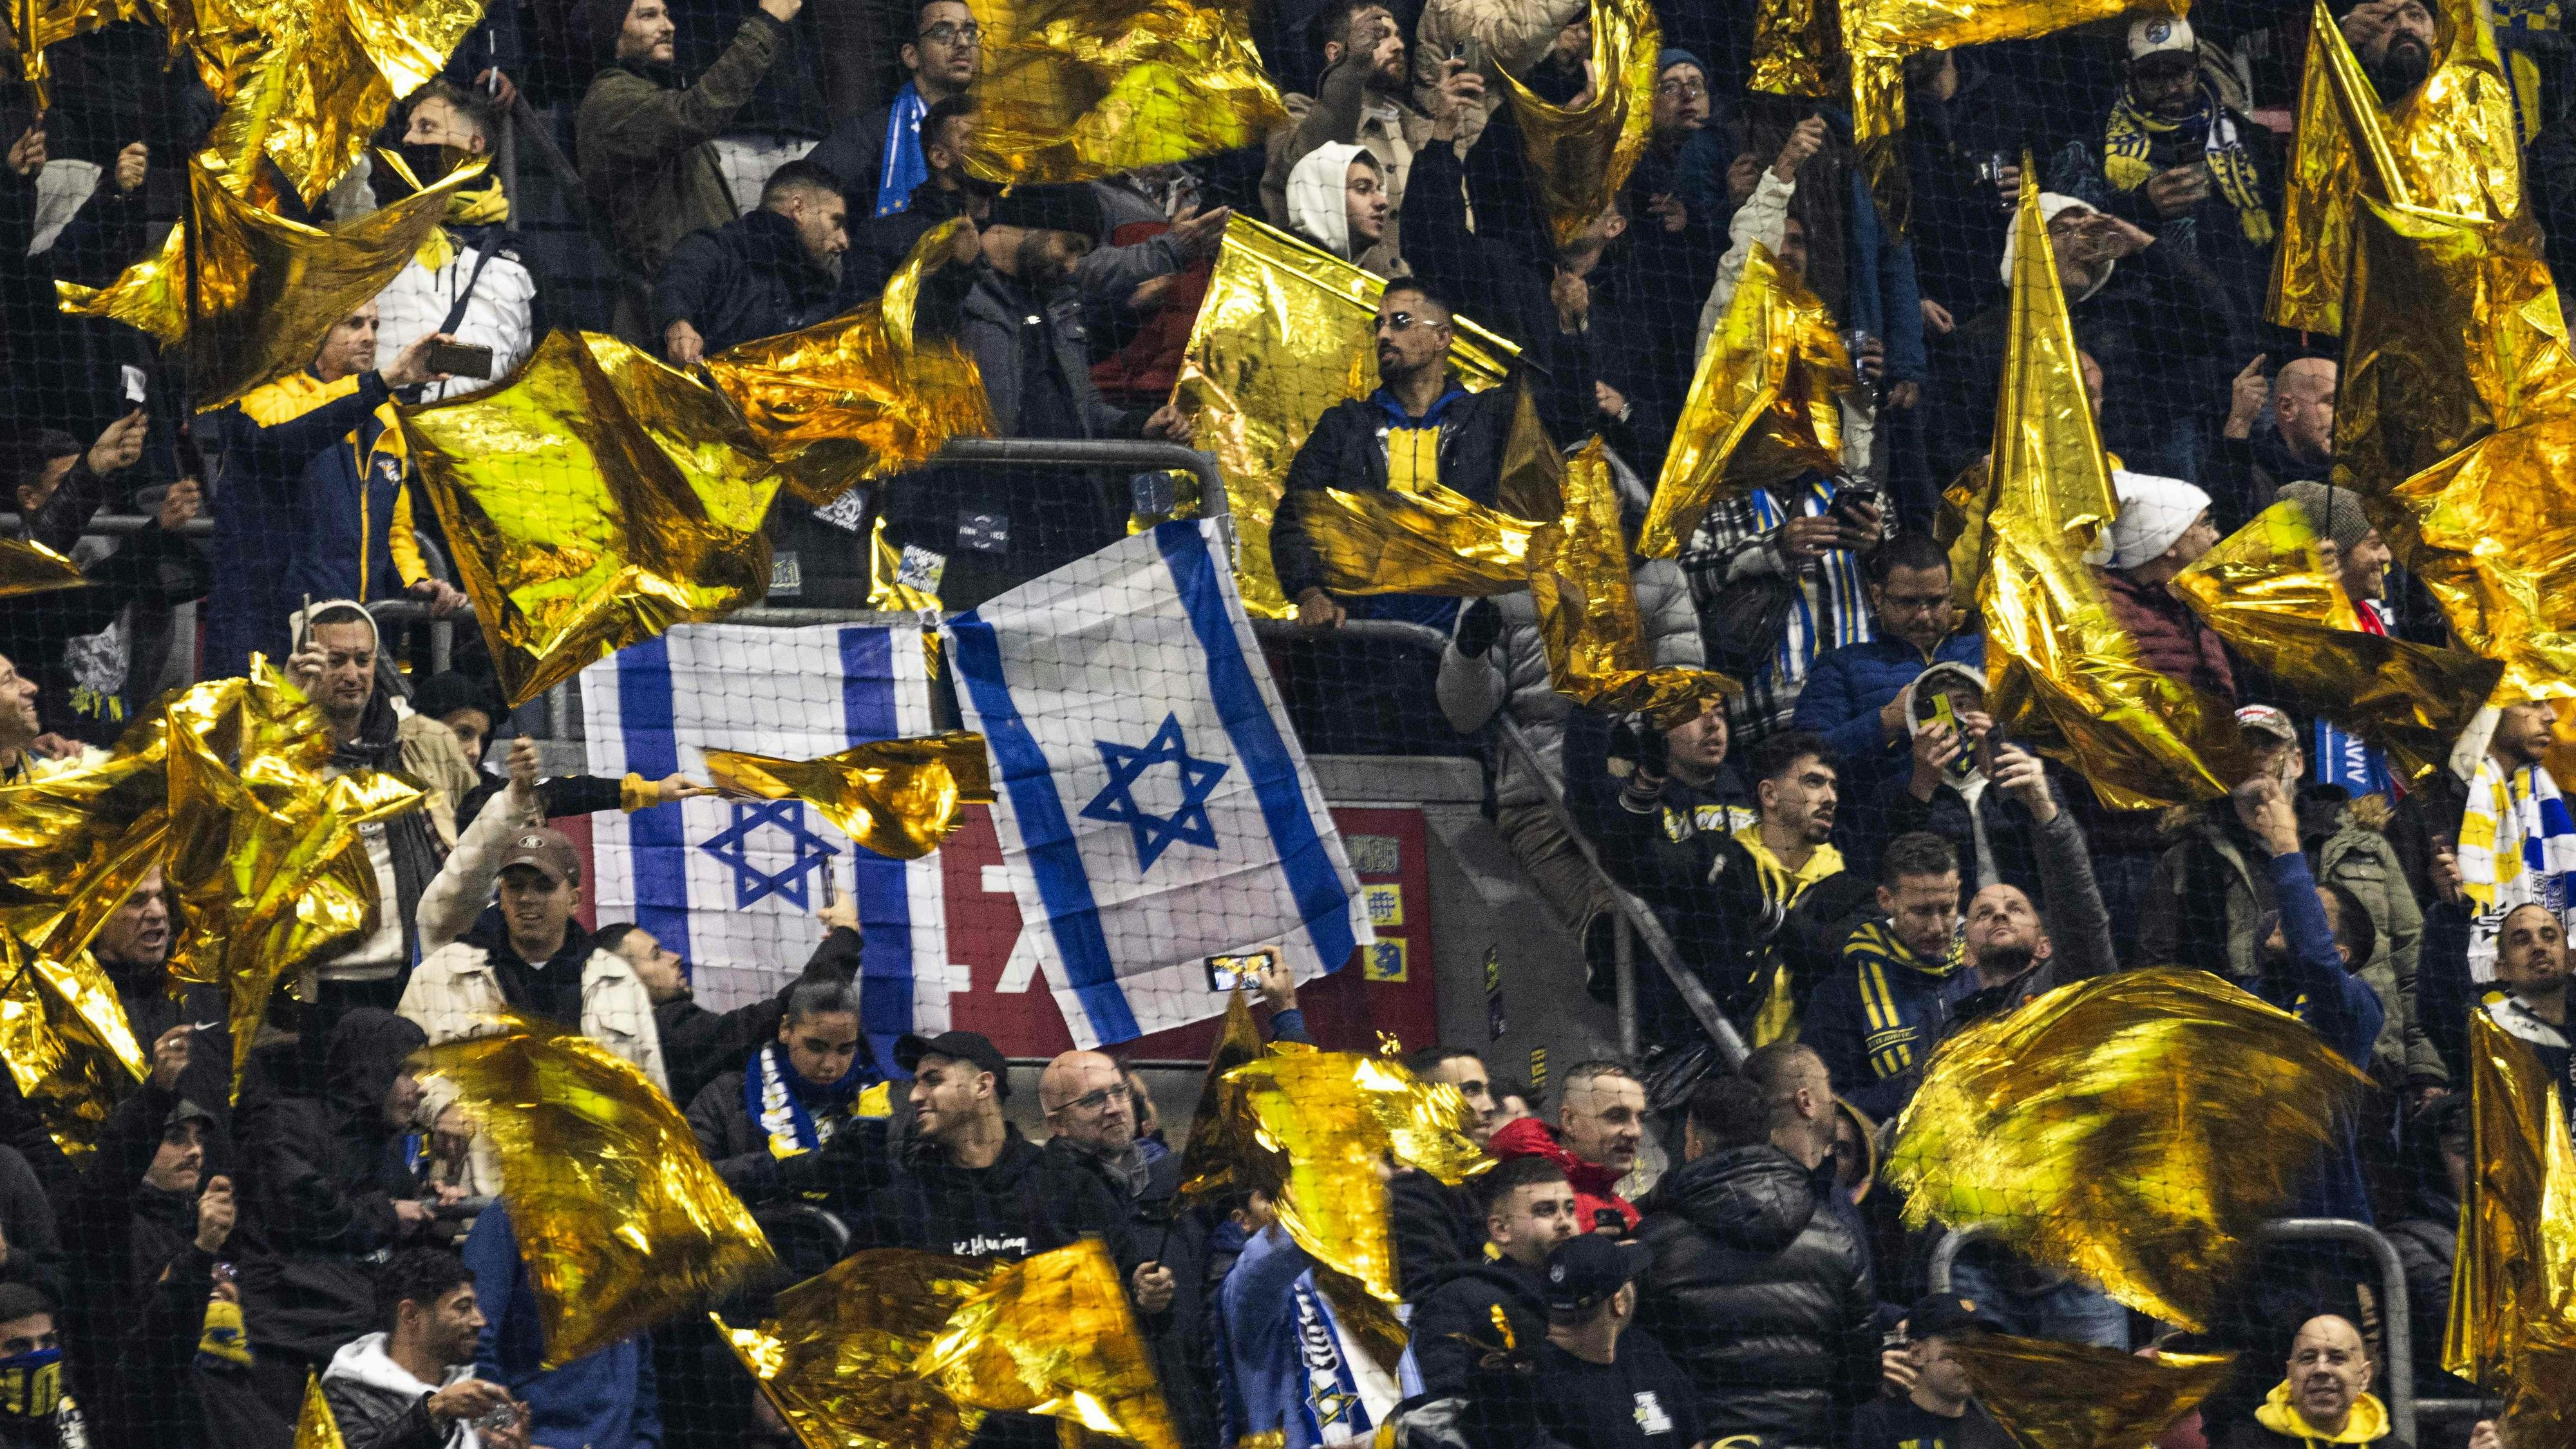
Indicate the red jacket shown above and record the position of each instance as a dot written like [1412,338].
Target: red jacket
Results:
[1530,1137]
[2171,639]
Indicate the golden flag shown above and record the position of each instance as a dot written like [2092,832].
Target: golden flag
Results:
[65,1039]
[1578,159]
[1286,331]
[2451,150]
[2057,1124]
[268,289]
[2067,678]
[858,398]
[899,798]
[2512,1327]
[836,1356]
[621,1222]
[592,502]
[1327,1121]
[2266,592]
[1220,1156]
[317,1427]
[28,28]
[1053,1334]
[1078,90]
[1586,602]
[1798,49]
[1879,34]
[31,568]
[1436,541]
[1764,406]
[2052,1395]
[264,851]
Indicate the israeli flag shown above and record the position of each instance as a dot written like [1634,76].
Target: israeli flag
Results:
[1154,808]
[734,885]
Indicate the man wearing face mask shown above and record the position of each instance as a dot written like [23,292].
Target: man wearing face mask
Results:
[482,292]
[35,1413]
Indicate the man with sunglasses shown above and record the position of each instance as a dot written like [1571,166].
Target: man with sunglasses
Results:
[878,155]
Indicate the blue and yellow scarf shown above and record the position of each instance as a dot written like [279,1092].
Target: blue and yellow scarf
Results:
[2132,131]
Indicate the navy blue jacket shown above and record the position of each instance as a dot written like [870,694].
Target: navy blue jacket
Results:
[1847,687]
[747,279]
[351,494]
[263,509]
[1876,1018]
[2314,986]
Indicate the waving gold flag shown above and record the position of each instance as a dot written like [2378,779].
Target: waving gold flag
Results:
[1586,600]
[1054,1335]
[1579,158]
[1879,34]
[31,568]
[1077,90]
[316,1427]
[621,1222]
[2513,1296]
[836,1355]
[2052,1395]
[28,28]
[65,1040]
[1436,541]
[1764,406]
[899,798]
[2265,591]
[1285,332]
[2057,1125]
[2067,679]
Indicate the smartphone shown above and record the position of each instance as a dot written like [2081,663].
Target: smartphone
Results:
[132,377]
[1231,973]
[1850,497]
[1472,51]
[459,359]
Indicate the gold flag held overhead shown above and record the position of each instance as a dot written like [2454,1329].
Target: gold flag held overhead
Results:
[268,289]
[66,1041]
[2067,678]
[1221,1155]
[1586,600]
[31,568]
[2266,592]
[1579,158]
[899,798]
[1435,541]
[653,491]
[1078,90]
[1286,331]
[316,1427]
[2513,1297]
[2052,1395]
[859,398]
[1798,49]
[621,1221]
[28,28]
[1764,406]
[2058,1125]
[1879,34]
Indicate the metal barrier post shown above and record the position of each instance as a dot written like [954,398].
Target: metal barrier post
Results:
[1623,947]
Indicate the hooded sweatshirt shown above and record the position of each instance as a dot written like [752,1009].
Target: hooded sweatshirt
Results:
[378,1403]
[2367,1424]
[1594,1185]
[1317,205]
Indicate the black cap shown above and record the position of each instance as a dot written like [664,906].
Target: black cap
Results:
[1074,208]
[961,1046]
[1589,1267]
[1935,1314]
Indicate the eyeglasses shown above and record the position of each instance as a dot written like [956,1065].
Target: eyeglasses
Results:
[1682,90]
[946,33]
[1404,322]
[1091,1104]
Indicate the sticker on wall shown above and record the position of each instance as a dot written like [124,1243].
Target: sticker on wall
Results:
[1384,960]
[1385,904]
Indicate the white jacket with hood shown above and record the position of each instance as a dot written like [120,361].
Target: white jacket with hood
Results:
[370,1395]
[1319,205]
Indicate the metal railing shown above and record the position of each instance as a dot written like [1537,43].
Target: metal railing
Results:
[2396,1315]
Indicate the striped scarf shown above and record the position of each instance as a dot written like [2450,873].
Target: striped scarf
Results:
[1874,951]
[1776,1017]
[791,1127]
[2517,847]
[2132,131]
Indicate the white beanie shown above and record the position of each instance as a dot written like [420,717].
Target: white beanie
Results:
[2050,204]
[1317,205]
[2150,34]
[2153,513]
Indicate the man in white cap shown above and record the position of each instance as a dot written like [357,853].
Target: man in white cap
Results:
[2162,529]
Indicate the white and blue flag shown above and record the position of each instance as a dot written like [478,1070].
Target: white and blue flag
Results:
[1154,807]
[733,885]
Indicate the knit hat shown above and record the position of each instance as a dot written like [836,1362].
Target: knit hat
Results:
[2154,512]
[2050,205]
[2156,34]
[2333,512]
[1673,55]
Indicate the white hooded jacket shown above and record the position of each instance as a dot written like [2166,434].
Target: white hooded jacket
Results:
[364,1379]
[1318,207]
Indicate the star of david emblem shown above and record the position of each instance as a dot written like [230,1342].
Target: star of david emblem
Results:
[1152,833]
[750,882]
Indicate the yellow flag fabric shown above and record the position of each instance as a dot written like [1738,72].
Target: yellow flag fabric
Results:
[899,798]
[1580,157]
[2512,1328]
[1078,90]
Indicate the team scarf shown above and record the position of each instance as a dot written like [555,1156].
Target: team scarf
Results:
[220,1343]
[31,1384]
[2132,131]
[2517,847]
[767,1094]
[1776,1018]
[2344,758]
[1331,1404]
[905,165]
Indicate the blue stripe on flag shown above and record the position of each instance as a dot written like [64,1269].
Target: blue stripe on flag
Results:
[657,845]
[1321,901]
[884,894]
[1046,837]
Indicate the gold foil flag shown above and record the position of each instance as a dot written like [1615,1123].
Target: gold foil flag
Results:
[66,1041]
[2067,678]
[32,568]
[1328,1120]
[1220,1155]
[858,398]
[1078,90]
[1764,406]
[899,798]
[2513,1294]
[836,1356]
[1879,34]
[1053,1334]
[1580,157]
[267,289]
[622,1223]
[316,1427]
[2266,592]
[2101,1131]
[1588,622]
[1286,331]
[1434,541]
[264,845]
[2052,1395]
[34,26]
[592,501]
[1798,49]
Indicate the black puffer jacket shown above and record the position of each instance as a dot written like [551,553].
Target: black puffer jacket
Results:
[1761,1293]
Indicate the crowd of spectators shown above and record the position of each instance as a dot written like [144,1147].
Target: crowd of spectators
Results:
[1851,859]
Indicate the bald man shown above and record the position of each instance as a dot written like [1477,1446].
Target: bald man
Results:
[2016,952]
[2324,1396]
[2279,431]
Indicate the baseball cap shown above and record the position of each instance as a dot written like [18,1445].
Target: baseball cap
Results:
[547,851]
[959,1046]
[1587,1268]
[1935,1314]
[2154,34]
[2264,719]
